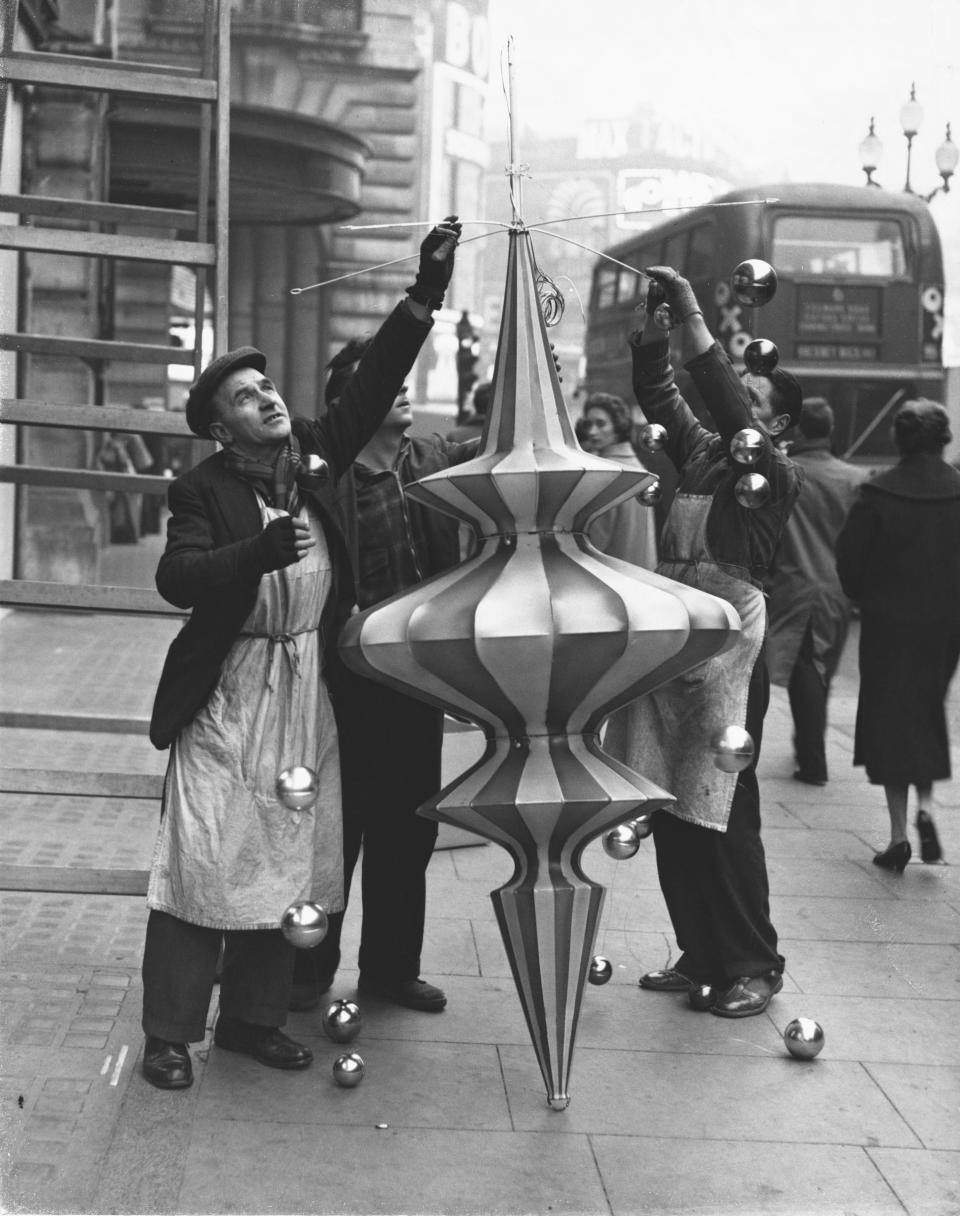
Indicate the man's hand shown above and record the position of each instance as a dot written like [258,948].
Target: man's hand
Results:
[677,292]
[284,541]
[436,263]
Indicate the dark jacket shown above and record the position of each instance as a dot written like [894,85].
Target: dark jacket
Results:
[213,560]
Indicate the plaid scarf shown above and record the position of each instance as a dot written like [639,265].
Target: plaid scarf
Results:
[274,482]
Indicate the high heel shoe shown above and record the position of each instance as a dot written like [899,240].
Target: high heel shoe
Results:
[894,858]
[929,840]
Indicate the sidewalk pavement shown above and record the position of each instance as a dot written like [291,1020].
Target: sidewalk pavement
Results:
[672,1111]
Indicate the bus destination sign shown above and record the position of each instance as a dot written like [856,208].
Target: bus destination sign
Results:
[837,352]
[835,312]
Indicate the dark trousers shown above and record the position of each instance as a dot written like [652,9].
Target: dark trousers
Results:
[808,693]
[389,765]
[179,963]
[715,883]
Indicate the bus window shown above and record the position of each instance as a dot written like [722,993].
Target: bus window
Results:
[627,285]
[675,250]
[700,254]
[861,247]
[606,289]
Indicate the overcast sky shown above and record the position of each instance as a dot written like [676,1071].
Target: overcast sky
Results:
[788,86]
[791,84]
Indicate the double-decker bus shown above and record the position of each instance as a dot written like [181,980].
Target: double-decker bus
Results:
[858,313]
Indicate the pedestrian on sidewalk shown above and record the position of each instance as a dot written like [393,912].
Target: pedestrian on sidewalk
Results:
[390,744]
[808,612]
[898,556]
[627,531]
[472,427]
[710,856]
[259,558]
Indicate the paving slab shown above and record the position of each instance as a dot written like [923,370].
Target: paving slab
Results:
[704,1178]
[927,1184]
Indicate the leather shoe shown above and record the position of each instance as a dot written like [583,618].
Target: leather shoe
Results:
[808,778]
[748,995]
[304,997]
[267,1044]
[412,994]
[167,1065]
[665,981]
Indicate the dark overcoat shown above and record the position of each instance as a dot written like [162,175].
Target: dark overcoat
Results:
[898,556]
[212,563]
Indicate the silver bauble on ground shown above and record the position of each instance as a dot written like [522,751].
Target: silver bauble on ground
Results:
[754,282]
[342,1021]
[732,749]
[746,446]
[643,825]
[652,436]
[621,842]
[752,491]
[348,1070]
[304,924]
[651,495]
[601,970]
[297,787]
[803,1038]
[761,356]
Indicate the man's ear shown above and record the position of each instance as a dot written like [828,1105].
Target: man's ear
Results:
[782,422]
[219,431]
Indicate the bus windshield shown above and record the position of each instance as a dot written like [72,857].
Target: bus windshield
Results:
[860,247]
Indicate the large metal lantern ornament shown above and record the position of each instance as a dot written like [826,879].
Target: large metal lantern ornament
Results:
[732,749]
[621,842]
[304,925]
[803,1038]
[537,637]
[651,495]
[601,969]
[349,1070]
[652,437]
[746,446]
[297,787]
[754,282]
[761,356]
[342,1021]
[752,491]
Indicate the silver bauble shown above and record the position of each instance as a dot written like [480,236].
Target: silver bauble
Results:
[621,842]
[348,1070]
[601,969]
[643,825]
[652,436]
[761,356]
[297,787]
[342,1021]
[746,446]
[304,924]
[752,491]
[701,997]
[803,1038]
[754,282]
[652,494]
[732,749]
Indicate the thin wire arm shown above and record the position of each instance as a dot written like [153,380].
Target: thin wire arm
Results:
[590,249]
[352,274]
[603,215]
[414,224]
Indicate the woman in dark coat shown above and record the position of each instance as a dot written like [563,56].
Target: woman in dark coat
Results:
[898,555]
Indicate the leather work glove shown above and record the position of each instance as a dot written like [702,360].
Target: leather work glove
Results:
[436,263]
[676,292]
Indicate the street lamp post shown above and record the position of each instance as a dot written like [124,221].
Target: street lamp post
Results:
[911,117]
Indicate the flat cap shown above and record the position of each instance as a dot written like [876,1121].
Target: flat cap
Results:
[200,398]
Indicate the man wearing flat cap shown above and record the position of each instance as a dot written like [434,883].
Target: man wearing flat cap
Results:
[256,552]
